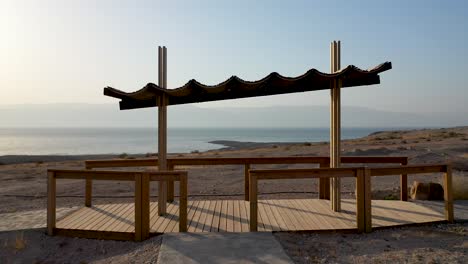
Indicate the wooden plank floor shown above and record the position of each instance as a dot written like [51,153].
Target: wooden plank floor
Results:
[233,216]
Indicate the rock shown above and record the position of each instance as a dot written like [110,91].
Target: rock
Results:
[427,191]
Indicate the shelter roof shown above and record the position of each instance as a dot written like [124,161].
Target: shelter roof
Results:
[235,87]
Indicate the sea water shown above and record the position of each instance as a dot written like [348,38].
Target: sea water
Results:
[76,141]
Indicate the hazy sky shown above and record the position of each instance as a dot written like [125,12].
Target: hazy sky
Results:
[67,51]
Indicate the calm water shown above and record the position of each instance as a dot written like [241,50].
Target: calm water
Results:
[42,141]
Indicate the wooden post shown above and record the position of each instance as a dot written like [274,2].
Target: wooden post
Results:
[183,203]
[162,133]
[145,206]
[360,201]
[138,207]
[88,190]
[448,194]
[51,202]
[246,181]
[324,184]
[170,185]
[404,183]
[335,127]
[368,199]
[253,203]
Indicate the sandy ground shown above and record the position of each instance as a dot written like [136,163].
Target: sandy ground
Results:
[23,190]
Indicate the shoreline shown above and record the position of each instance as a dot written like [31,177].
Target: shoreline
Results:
[425,141]
[248,138]
[229,145]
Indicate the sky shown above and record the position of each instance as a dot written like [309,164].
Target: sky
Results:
[68,51]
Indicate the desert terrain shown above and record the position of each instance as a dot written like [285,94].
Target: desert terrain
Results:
[23,189]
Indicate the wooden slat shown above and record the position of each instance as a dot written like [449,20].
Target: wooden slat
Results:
[172,215]
[244,217]
[216,217]
[174,225]
[183,193]
[93,234]
[360,201]
[88,192]
[155,224]
[448,194]
[324,184]
[166,175]
[315,219]
[121,163]
[223,216]
[247,211]
[191,214]
[383,159]
[170,185]
[321,211]
[196,217]
[246,181]
[51,202]
[301,213]
[230,218]
[168,218]
[92,214]
[246,160]
[145,205]
[129,221]
[104,218]
[260,222]
[279,206]
[264,215]
[177,226]
[111,224]
[87,217]
[138,207]
[367,199]
[303,173]
[237,216]
[203,215]
[296,214]
[253,223]
[122,225]
[404,183]
[177,161]
[382,217]
[209,217]
[275,214]
[68,220]
[95,175]
[409,169]
[97,218]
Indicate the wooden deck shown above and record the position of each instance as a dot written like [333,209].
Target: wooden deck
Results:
[117,220]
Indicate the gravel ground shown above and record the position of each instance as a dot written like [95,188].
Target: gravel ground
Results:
[34,246]
[445,243]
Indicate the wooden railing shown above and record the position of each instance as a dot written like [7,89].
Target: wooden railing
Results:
[363,186]
[323,162]
[362,176]
[142,202]
[446,169]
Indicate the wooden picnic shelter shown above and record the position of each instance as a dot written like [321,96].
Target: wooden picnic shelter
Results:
[251,214]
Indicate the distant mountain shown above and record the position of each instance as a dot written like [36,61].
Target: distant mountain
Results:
[108,115]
